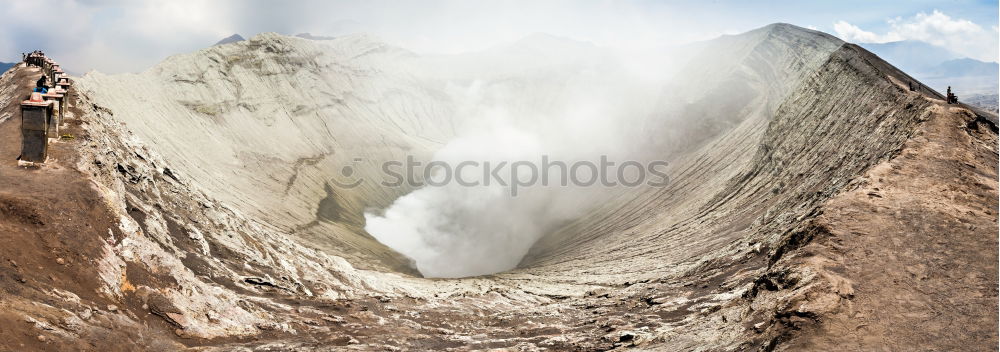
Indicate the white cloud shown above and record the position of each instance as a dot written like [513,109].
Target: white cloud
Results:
[127,35]
[852,33]
[958,35]
[112,35]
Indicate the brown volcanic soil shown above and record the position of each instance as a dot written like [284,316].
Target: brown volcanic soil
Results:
[53,221]
[906,261]
[918,243]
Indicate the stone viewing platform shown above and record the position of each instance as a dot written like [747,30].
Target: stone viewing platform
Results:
[44,111]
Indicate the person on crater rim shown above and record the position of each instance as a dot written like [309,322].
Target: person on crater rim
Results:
[40,86]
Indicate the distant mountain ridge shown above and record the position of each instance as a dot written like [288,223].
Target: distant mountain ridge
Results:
[911,55]
[310,36]
[965,67]
[941,68]
[231,39]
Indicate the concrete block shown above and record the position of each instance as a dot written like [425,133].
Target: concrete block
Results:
[64,99]
[36,114]
[35,117]
[36,60]
[52,130]
[58,109]
[34,146]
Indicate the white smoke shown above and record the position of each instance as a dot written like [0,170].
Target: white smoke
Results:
[581,114]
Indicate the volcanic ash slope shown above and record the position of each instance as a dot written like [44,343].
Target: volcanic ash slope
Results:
[783,145]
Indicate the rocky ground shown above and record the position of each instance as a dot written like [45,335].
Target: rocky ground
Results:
[55,222]
[837,210]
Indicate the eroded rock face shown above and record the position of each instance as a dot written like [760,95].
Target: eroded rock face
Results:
[212,166]
[278,118]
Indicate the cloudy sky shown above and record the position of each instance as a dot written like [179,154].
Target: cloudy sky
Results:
[124,36]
